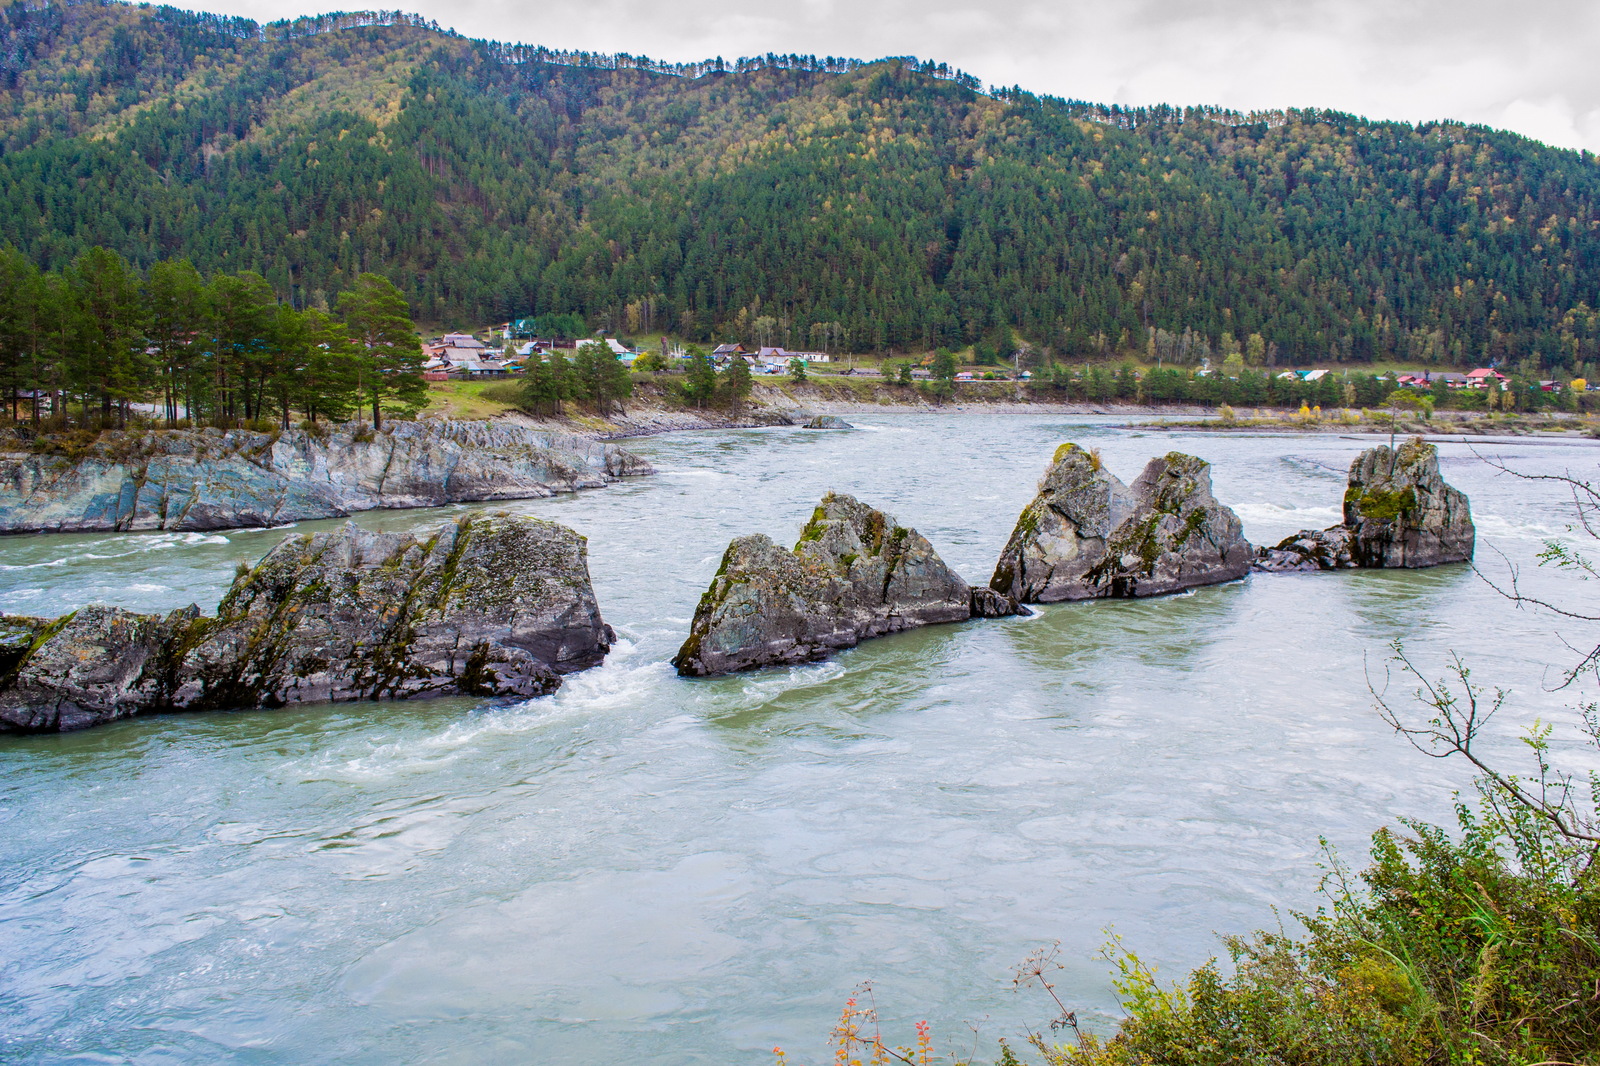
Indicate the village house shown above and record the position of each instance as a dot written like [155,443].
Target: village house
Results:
[1483,377]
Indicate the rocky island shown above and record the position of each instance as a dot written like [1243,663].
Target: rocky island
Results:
[489,605]
[1398,512]
[855,573]
[1087,535]
[210,479]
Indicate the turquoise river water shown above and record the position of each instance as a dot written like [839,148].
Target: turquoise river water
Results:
[647,869]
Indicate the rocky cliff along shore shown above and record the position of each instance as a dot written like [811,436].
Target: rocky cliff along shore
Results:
[1398,512]
[855,573]
[211,479]
[1087,535]
[489,605]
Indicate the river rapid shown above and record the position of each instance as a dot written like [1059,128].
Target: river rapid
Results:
[647,869]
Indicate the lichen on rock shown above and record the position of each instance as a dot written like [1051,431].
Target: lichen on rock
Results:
[490,605]
[1398,513]
[1086,535]
[854,573]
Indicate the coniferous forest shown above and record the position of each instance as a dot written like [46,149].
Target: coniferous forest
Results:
[795,200]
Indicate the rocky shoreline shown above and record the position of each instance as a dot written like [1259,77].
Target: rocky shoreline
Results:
[209,479]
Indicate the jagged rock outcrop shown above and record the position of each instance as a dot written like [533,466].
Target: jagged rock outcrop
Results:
[827,422]
[856,573]
[490,605]
[210,479]
[1087,535]
[1398,513]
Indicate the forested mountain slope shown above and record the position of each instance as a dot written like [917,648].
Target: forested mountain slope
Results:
[866,205]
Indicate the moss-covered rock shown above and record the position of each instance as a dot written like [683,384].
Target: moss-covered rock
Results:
[1401,513]
[855,573]
[1398,512]
[491,605]
[1087,535]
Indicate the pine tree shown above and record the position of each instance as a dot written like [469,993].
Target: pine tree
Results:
[736,383]
[379,321]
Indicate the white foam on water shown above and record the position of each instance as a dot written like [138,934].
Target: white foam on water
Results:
[134,544]
[769,684]
[1499,527]
[616,685]
[34,566]
[1278,513]
[611,687]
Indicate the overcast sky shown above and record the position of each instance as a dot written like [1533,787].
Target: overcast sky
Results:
[1532,67]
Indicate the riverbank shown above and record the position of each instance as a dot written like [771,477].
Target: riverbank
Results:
[1441,424]
[652,409]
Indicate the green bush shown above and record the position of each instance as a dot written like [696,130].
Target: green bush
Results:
[1481,947]
[506,392]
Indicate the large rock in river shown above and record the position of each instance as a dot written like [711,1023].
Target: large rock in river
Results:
[1398,513]
[490,605]
[856,573]
[214,479]
[1087,535]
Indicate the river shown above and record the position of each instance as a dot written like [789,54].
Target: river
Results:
[647,869]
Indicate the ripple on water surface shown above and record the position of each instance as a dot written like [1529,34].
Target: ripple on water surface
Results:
[647,868]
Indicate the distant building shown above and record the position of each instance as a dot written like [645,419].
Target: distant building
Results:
[727,351]
[1483,377]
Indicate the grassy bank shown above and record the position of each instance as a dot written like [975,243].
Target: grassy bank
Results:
[1378,423]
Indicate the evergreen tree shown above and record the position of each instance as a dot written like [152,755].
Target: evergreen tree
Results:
[379,321]
[105,352]
[700,378]
[736,383]
[541,387]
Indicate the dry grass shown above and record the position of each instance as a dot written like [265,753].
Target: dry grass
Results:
[462,400]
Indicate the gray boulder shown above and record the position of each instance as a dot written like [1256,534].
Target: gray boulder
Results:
[90,667]
[214,479]
[855,573]
[490,605]
[1398,513]
[1401,513]
[1309,549]
[1088,536]
[827,422]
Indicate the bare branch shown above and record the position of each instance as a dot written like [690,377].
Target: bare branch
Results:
[1459,718]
